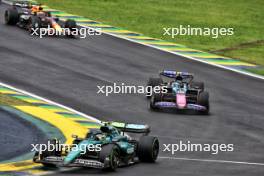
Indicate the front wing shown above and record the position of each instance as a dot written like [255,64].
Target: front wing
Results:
[77,163]
[190,106]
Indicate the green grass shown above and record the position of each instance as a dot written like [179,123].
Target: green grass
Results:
[151,16]
[253,54]
[257,71]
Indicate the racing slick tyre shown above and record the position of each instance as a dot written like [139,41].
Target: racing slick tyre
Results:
[34,24]
[152,82]
[203,100]
[197,85]
[148,149]
[154,99]
[11,16]
[71,25]
[109,153]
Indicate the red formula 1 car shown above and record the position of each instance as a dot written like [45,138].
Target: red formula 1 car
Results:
[33,17]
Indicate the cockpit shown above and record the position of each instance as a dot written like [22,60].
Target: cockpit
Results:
[179,87]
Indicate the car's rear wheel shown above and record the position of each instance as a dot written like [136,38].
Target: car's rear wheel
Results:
[110,152]
[197,85]
[203,100]
[148,149]
[152,82]
[11,16]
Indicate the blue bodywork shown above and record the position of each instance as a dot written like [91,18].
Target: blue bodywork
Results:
[174,74]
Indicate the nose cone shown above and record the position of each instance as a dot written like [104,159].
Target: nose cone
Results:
[75,152]
[71,157]
[181,100]
[67,161]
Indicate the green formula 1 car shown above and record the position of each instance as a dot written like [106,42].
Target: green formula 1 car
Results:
[107,148]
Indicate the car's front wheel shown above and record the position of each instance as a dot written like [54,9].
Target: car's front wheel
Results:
[197,85]
[110,155]
[53,143]
[11,16]
[154,99]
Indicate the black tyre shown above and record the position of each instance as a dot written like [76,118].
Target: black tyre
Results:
[36,156]
[152,82]
[148,149]
[47,152]
[11,16]
[111,152]
[197,85]
[54,152]
[34,24]
[154,99]
[71,25]
[203,100]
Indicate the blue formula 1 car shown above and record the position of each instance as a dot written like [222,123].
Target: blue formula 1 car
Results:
[181,92]
[113,148]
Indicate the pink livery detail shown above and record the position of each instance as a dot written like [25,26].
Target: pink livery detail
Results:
[181,100]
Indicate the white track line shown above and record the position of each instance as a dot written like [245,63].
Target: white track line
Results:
[53,103]
[212,161]
[7,2]
[178,54]
[50,102]
[188,57]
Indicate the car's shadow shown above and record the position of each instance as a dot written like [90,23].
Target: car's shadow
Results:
[180,112]
[83,170]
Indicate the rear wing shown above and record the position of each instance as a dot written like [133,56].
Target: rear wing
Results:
[174,74]
[24,4]
[130,128]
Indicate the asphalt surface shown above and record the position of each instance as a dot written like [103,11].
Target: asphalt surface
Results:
[17,135]
[68,71]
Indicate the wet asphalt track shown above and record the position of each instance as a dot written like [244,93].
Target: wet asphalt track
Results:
[67,71]
[16,135]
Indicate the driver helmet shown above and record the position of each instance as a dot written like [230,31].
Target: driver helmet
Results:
[179,78]
[36,9]
[100,136]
